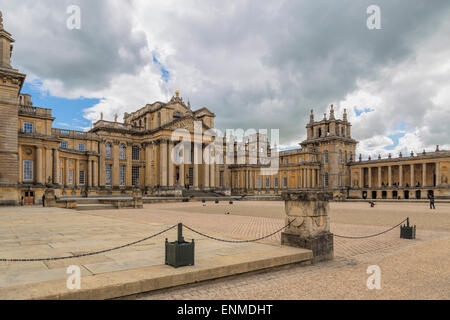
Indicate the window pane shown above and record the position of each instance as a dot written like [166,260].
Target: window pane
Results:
[28,171]
[28,127]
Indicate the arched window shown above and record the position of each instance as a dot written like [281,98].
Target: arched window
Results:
[122,152]
[108,150]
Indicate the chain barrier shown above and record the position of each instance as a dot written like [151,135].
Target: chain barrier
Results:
[91,253]
[238,241]
[373,235]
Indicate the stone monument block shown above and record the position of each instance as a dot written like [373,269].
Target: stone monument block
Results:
[311,228]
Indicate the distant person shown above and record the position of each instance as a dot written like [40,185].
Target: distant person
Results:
[431,197]
[372,204]
[43,200]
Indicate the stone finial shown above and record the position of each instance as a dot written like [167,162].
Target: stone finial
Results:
[400,155]
[101,116]
[379,157]
[189,105]
[370,158]
[360,157]
[177,93]
[311,117]
[332,113]
[390,156]
[437,148]
[325,116]
[345,115]
[412,154]
[116,117]
[423,151]
[1,20]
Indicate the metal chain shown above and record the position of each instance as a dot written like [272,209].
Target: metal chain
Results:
[91,253]
[239,241]
[371,236]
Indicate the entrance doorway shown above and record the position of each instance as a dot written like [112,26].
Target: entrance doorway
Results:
[394,194]
[191,177]
[384,195]
[364,194]
[374,194]
[418,194]
[407,194]
[28,198]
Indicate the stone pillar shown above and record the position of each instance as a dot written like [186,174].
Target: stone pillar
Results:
[438,174]
[311,227]
[307,177]
[171,165]
[115,174]
[90,173]
[212,175]
[424,175]
[95,173]
[55,166]
[390,176]
[66,172]
[370,176]
[181,183]
[102,165]
[412,184]
[148,164]
[76,175]
[379,177]
[314,175]
[400,175]
[48,166]
[361,177]
[163,162]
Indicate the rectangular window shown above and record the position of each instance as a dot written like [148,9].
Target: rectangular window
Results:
[81,146]
[285,182]
[221,179]
[136,154]
[63,144]
[267,182]
[276,182]
[70,177]
[28,127]
[299,159]
[61,172]
[28,171]
[82,178]
[108,174]
[135,176]
[259,183]
[122,175]
[326,179]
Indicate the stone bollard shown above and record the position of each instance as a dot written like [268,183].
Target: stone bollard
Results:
[311,229]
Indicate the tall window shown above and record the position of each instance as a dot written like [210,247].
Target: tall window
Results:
[122,175]
[61,173]
[326,179]
[258,184]
[28,127]
[267,182]
[340,156]
[136,153]
[285,182]
[81,146]
[122,152]
[108,175]
[220,179]
[325,157]
[108,150]
[135,176]
[276,183]
[82,178]
[70,177]
[340,180]
[63,144]
[299,159]
[28,171]
[351,156]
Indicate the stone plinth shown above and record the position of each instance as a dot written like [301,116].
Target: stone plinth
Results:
[311,228]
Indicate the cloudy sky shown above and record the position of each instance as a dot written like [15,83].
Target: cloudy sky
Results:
[256,64]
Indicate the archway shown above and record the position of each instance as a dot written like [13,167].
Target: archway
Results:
[418,194]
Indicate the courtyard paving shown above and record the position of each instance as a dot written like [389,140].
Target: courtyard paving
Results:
[410,269]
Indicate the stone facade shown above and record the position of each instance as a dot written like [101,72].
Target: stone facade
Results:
[114,158]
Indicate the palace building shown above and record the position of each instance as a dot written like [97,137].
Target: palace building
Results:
[114,158]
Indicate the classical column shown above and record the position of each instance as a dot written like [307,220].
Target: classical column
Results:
[181,183]
[163,162]
[90,175]
[55,166]
[438,174]
[370,176]
[424,174]
[390,176]
[379,177]
[66,172]
[361,177]
[76,175]
[400,175]
[308,178]
[212,175]
[102,165]
[171,165]
[314,178]
[115,153]
[48,165]
[412,175]
[95,173]
[129,167]
[148,164]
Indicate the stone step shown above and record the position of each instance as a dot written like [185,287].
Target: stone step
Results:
[98,206]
